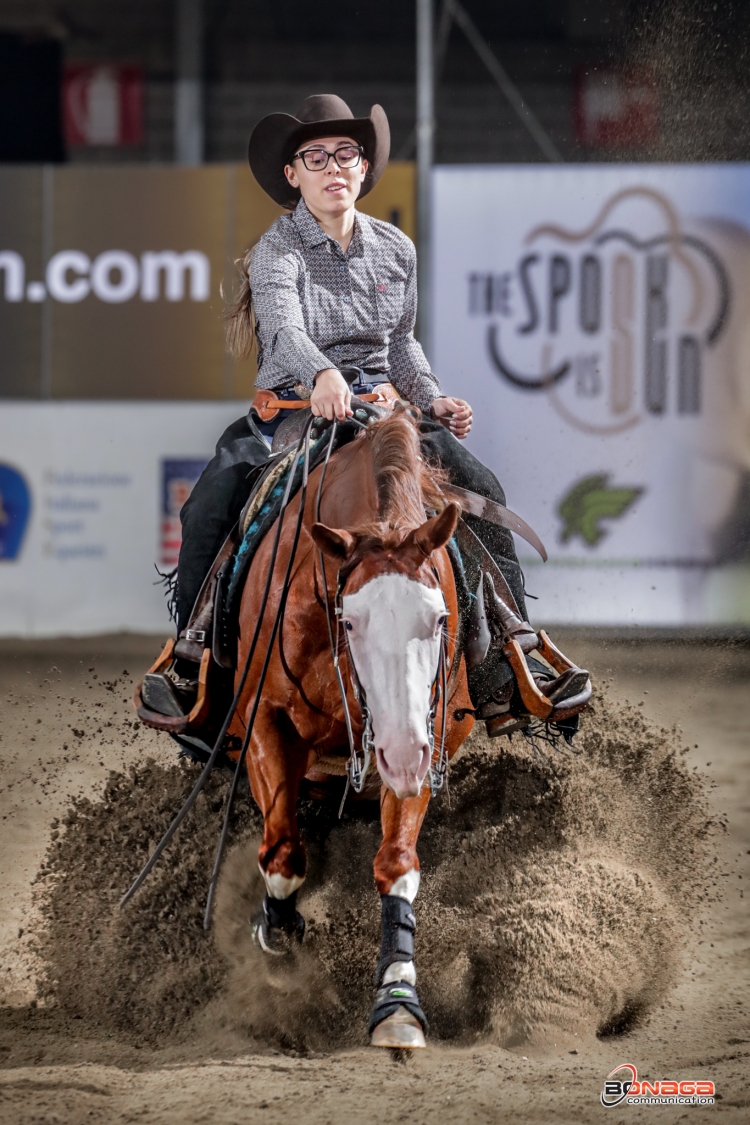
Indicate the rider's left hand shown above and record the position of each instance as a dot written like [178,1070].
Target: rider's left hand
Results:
[453,413]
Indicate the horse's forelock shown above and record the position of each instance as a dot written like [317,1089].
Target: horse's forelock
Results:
[407,485]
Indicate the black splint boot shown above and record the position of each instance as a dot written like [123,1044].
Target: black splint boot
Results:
[397,1019]
[279,926]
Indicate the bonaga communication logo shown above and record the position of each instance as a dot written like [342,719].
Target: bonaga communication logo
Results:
[15,506]
[623,1085]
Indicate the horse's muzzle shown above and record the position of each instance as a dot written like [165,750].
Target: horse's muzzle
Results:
[404,782]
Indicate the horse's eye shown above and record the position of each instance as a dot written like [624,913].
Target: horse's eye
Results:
[443,621]
[348,625]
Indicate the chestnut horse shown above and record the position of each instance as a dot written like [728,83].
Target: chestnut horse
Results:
[376,559]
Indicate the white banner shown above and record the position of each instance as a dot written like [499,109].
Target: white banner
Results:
[90,495]
[598,319]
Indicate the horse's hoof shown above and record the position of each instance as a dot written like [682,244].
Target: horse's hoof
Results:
[402,1029]
[397,1019]
[274,940]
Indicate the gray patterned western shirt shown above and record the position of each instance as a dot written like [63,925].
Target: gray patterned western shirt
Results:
[317,306]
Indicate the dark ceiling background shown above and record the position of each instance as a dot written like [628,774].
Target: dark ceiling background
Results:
[261,55]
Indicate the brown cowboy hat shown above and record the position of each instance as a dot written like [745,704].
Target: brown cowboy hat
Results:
[277,137]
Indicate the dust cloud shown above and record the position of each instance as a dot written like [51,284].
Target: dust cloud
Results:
[553,896]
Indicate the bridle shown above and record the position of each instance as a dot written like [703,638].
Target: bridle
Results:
[360,758]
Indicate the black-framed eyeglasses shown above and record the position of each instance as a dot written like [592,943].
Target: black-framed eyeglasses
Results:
[316,159]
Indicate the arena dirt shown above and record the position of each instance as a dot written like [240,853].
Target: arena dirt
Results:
[547,899]
[552,908]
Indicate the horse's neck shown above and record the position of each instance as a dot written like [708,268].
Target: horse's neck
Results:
[350,497]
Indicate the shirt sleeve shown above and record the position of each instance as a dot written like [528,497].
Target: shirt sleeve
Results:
[410,371]
[274,273]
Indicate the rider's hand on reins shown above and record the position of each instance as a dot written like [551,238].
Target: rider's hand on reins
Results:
[453,413]
[332,397]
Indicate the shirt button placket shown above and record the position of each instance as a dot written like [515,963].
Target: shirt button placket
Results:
[346,297]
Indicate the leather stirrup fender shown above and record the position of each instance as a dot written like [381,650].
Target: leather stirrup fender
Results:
[198,633]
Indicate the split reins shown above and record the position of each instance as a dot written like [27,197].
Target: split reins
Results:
[356,768]
[303,449]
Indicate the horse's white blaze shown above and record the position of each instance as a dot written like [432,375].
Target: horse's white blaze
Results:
[394,634]
[278,886]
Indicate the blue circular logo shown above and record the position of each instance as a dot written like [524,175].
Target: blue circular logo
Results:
[15,508]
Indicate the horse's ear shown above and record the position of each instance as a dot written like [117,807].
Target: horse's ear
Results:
[436,532]
[337,544]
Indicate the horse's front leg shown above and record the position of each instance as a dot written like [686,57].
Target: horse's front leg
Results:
[275,767]
[397,1019]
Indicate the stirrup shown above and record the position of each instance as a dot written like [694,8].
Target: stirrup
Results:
[173,724]
[167,695]
[559,700]
[549,697]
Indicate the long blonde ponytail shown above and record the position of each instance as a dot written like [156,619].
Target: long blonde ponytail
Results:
[239,314]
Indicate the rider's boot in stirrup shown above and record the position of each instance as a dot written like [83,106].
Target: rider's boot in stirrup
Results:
[174,691]
[493,680]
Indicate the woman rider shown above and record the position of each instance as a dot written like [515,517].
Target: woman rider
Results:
[331,290]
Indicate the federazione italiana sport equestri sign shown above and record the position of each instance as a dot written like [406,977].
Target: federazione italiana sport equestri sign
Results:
[90,494]
[596,317]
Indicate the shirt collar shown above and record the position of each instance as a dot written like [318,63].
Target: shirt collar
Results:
[363,233]
[312,233]
[308,227]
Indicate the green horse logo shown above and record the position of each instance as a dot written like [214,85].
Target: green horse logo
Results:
[589,501]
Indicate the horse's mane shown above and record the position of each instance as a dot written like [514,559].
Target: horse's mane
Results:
[407,485]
